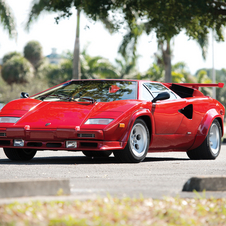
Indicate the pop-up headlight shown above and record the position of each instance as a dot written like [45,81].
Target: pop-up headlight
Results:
[98,121]
[9,119]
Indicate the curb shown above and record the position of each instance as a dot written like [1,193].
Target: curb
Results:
[207,183]
[36,187]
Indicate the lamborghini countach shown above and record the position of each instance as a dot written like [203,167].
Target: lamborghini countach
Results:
[128,118]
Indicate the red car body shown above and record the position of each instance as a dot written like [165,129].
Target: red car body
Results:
[178,123]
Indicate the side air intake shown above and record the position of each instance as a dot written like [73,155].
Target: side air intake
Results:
[187,111]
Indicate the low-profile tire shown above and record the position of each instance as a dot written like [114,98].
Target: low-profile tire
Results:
[137,144]
[210,148]
[97,154]
[15,154]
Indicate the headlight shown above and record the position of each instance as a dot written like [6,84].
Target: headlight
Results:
[9,119]
[98,121]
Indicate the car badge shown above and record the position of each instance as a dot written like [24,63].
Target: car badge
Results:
[47,124]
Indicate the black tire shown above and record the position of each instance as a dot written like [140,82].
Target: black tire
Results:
[137,145]
[97,154]
[210,148]
[15,154]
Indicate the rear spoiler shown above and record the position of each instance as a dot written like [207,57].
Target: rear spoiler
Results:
[197,85]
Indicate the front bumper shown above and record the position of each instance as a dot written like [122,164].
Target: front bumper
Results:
[56,139]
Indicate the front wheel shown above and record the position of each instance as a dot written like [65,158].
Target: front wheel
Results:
[15,154]
[137,145]
[210,148]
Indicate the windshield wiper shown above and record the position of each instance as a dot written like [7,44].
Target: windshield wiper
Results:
[88,99]
[57,96]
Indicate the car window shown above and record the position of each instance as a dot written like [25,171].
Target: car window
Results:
[146,94]
[98,90]
[156,88]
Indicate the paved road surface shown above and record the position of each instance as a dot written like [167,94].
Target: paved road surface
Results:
[161,174]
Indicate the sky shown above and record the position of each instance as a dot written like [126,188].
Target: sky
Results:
[100,42]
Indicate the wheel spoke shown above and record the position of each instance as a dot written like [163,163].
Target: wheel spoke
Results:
[138,140]
[214,137]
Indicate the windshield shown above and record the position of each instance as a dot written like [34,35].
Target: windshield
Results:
[91,91]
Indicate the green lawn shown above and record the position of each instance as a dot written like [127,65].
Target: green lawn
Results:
[114,211]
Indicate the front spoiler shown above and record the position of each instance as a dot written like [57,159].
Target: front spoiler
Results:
[56,139]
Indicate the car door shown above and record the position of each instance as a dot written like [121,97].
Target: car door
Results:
[168,116]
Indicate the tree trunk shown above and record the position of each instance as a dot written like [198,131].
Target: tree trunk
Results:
[166,53]
[76,58]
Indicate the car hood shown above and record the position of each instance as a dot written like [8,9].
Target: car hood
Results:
[38,114]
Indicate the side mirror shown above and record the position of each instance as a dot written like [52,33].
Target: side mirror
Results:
[24,95]
[161,96]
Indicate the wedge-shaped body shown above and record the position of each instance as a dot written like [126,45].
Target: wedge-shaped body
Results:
[126,117]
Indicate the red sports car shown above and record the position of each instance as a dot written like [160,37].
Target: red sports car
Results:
[126,117]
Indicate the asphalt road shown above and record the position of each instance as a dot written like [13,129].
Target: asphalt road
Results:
[161,174]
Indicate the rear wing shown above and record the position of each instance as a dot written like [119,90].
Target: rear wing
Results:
[190,89]
[197,85]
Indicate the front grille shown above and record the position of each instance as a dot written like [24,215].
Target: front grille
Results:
[88,145]
[86,135]
[34,144]
[53,145]
[2,134]
[5,142]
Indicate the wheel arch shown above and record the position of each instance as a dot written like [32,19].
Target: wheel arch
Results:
[220,120]
[204,127]
[146,116]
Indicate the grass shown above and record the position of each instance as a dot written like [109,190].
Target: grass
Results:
[114,211]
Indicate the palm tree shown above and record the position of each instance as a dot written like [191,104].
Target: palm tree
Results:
[7,19]
[136,29]
[42,5]
[76,58]
[127,67]
[96,67]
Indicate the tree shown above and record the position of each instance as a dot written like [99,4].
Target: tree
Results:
[220,77]
[130,41]
[7,19]
[17,70]
[56,74]
[76,58]
[91,67]
[33,53]
[96,67]
[64,8]
[10,55]
[127,68]
[167,19]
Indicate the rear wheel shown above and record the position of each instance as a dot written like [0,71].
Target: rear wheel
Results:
[210,148]
[97,154]
[15,154]
[137,145]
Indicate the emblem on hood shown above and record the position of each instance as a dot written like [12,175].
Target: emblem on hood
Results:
[47,124]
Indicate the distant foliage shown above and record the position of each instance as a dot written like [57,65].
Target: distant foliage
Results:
[17,70]
[154,73]
[10,55]
[33,52]
[220,77]
[32,87]
[7,20]
[56,74]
